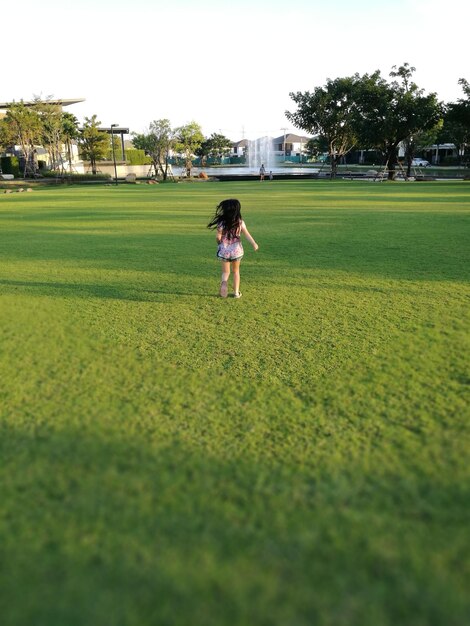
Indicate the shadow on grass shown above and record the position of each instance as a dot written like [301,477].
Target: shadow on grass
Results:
[405,245]
[101,524]
[84,290]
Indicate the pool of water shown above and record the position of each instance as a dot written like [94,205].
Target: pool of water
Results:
[247,171]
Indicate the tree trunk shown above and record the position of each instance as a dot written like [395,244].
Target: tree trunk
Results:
[69,152]
[392,163]
[334,165]
[156,166]
[164,169]
[409,159]
[409,155]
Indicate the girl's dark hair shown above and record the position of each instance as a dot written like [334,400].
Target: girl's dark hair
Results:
[228,216]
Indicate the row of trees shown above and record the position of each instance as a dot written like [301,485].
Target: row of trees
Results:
[370,112]
[362,112]
[161,140]
[45,124]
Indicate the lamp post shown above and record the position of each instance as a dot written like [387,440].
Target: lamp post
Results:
[114,153]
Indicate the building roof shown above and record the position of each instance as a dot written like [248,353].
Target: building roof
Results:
[64,102]
[116,130]
[291,138]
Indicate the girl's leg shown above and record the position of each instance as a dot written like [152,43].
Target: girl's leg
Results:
[236,276]
[224,279]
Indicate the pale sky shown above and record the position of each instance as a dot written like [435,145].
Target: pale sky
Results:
[227,64]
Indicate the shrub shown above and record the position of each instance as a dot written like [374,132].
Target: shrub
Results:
[137,157]
[453,160]
[10,165]
[132,156]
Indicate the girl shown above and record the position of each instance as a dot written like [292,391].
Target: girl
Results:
[230,225]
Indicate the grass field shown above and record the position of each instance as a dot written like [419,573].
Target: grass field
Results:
[298,457]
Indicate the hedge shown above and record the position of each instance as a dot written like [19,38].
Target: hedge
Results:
[132,156]
[137,157]
[10,165]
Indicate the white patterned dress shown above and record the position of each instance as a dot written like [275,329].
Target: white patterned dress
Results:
[230,249]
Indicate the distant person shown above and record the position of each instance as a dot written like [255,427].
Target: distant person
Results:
[270,175]
[230,225]
[262,172]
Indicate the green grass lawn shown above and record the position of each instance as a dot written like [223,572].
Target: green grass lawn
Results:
[298,457]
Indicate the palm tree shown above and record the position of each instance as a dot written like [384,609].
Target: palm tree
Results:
[70,133]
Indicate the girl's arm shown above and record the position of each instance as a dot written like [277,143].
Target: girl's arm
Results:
[249,237]
[219,235]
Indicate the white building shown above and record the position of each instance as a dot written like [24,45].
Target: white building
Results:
[239,148]
[283,147]
[290,145]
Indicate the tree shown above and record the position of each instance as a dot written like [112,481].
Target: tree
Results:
[115,147]
[315,146]
[419,141]
[70,133]
[219,146]
[463,82]
[157,142]
[93,142]
[51,130]
[42,123]
[7,139]
[204,151]
[188,139]
[456,127]
[390,113]
[329,111]
[22,126]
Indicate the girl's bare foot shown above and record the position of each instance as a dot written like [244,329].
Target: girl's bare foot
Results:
[223,289]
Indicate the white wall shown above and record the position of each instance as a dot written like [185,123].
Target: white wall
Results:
[141,171]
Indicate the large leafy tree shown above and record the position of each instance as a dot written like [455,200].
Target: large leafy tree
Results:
[216,146]
[389,113]
[188,139]
[157,142]
[329,111]
[204,151]
[219,146]
[94,143]
[456,127]
[6,136]
[22,126]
